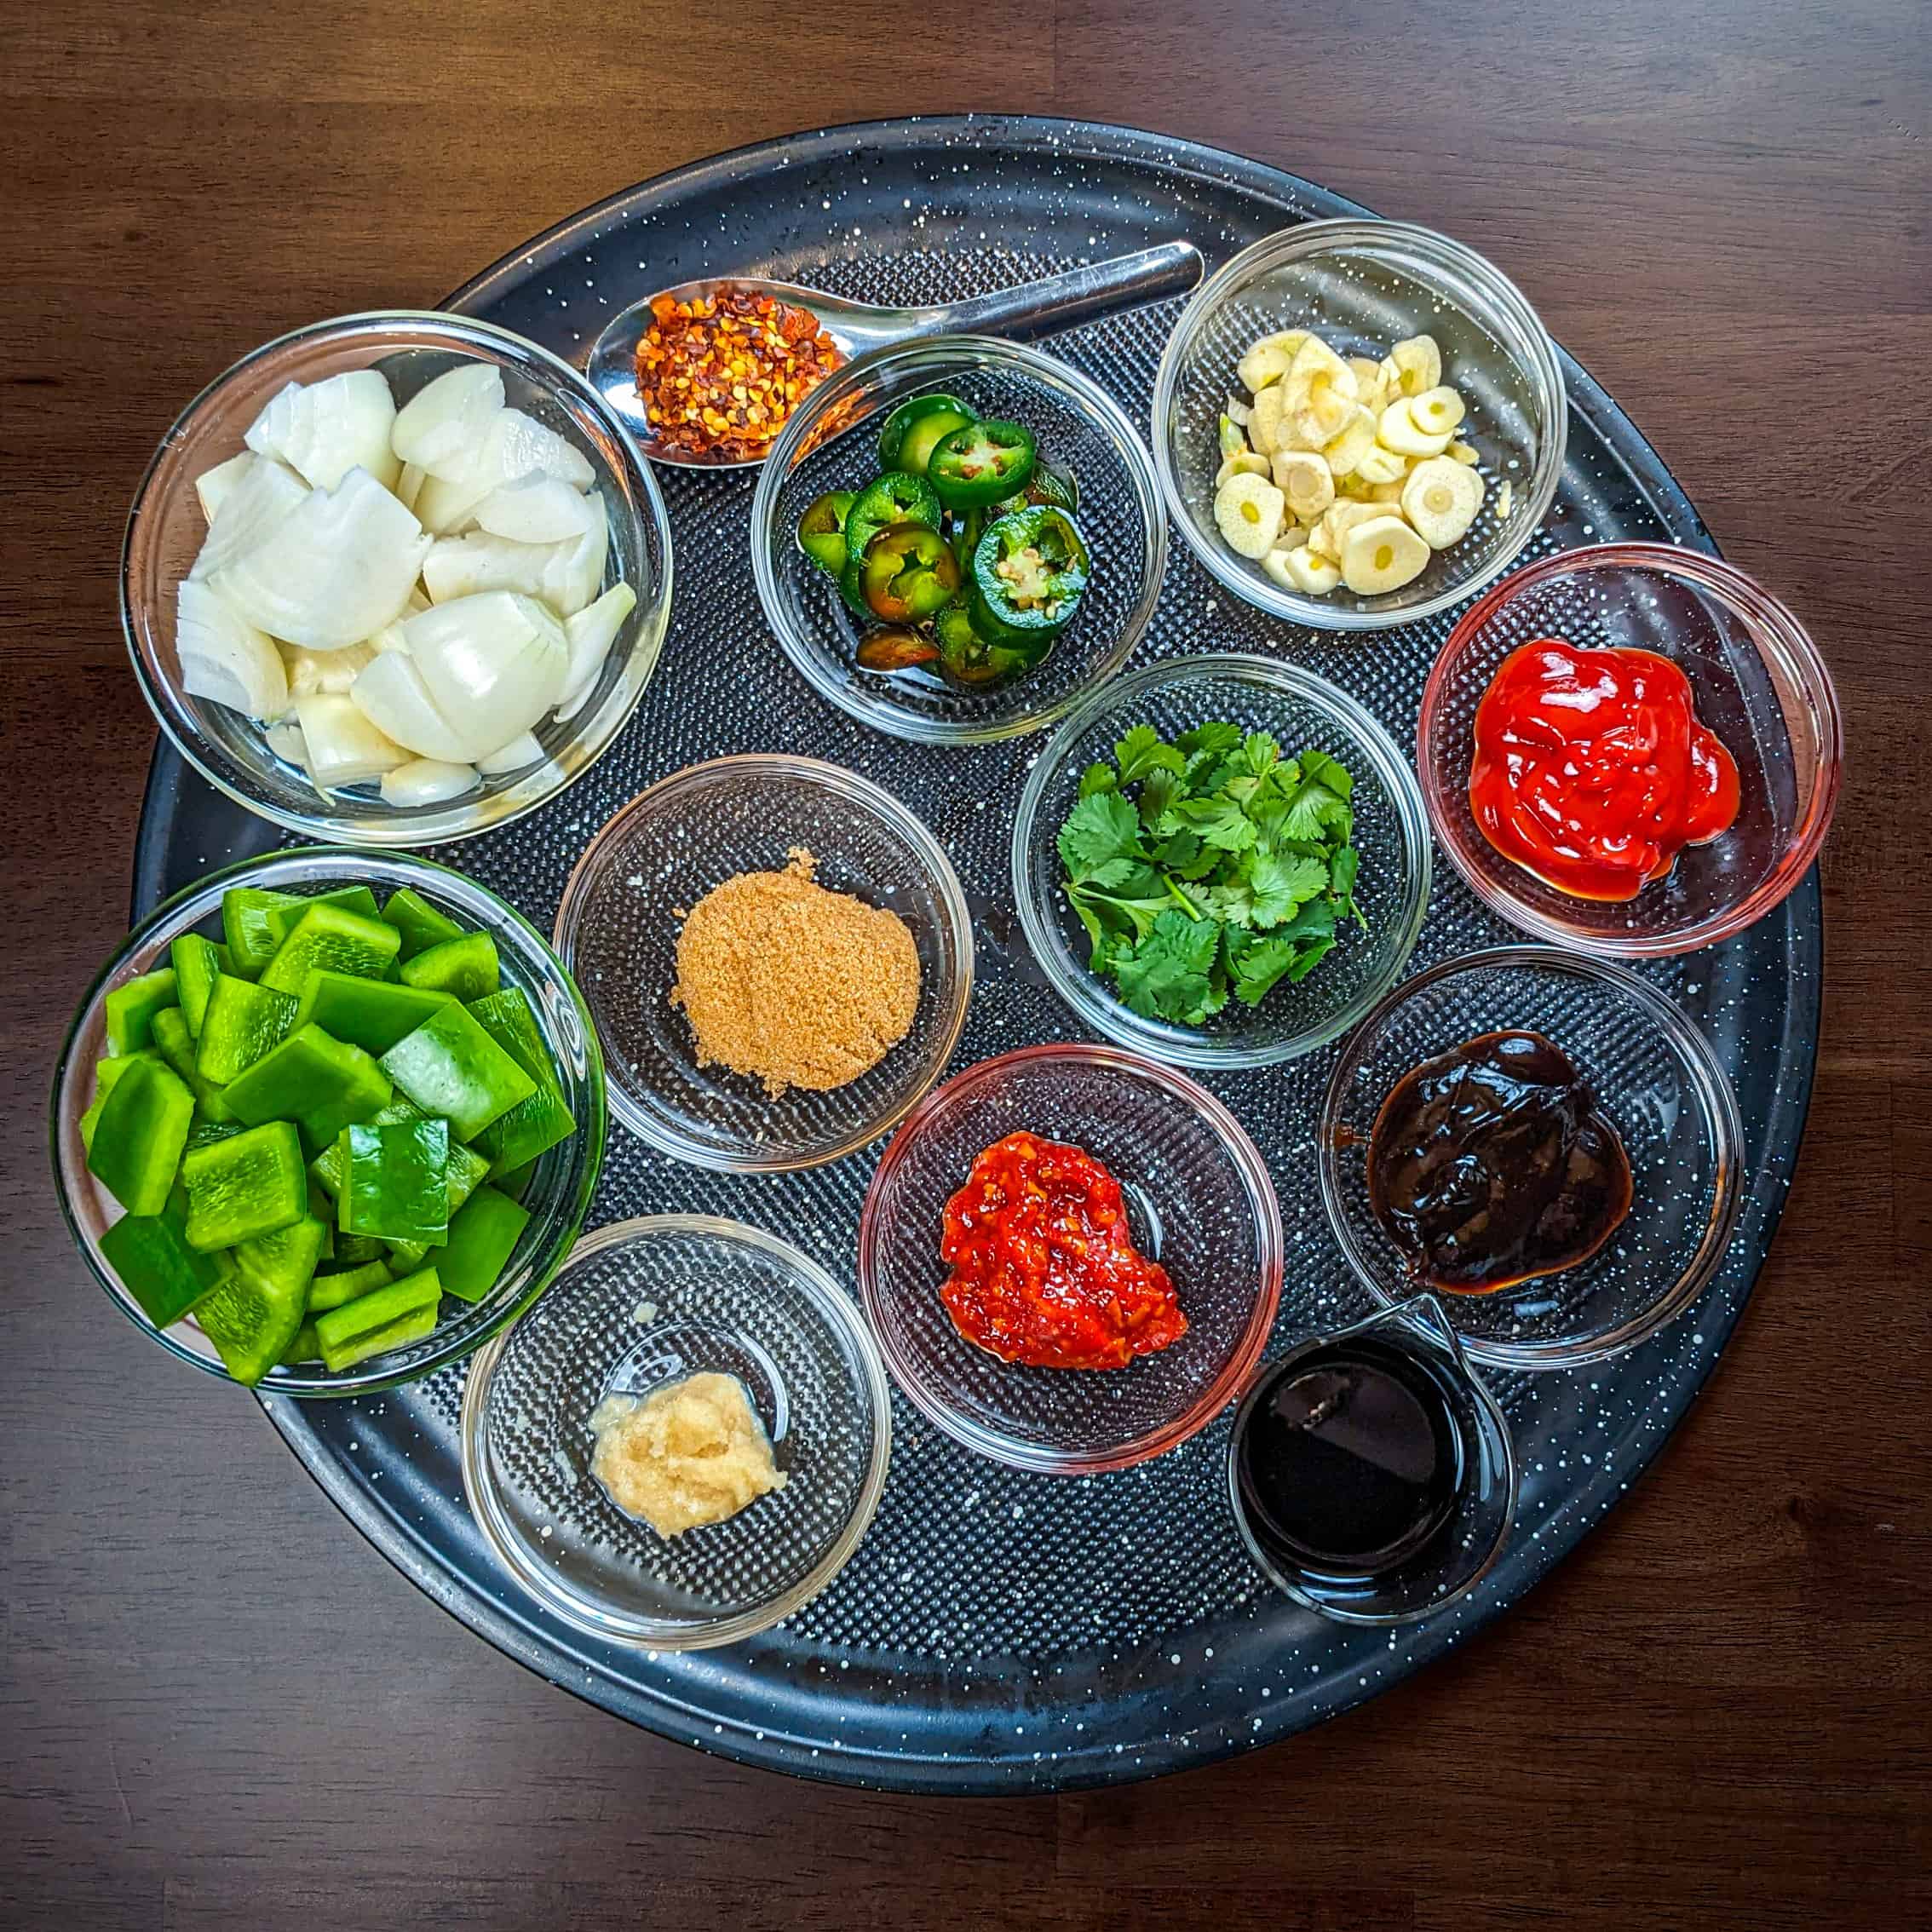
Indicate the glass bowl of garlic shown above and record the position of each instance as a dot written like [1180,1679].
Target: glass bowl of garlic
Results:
[395,580]
[1357,423]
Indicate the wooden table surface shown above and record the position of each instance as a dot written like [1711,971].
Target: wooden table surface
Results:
[219,1707]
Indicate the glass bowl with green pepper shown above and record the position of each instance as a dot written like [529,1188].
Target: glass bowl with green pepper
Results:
[954,540]
[327,1120]
[1222,861]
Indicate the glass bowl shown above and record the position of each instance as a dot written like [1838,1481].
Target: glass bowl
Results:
[1655,1076]
[1461,1553]
[1391,834]
[1200,1203]
[1364,285]
[559,1191]
[1077,424]
[1760,684]
[165,528]
[617,929]
[640,1303]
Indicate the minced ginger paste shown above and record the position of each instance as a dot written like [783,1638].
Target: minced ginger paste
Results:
[800,986]
[691,1452]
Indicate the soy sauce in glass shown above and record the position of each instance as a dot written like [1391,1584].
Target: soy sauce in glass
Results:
[1349,1458]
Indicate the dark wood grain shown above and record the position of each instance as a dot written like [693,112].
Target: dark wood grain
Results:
[218,1709]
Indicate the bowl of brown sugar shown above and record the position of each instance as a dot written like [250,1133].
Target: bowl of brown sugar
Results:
[777,957]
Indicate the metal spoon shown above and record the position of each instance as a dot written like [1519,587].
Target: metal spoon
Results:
[1033,308]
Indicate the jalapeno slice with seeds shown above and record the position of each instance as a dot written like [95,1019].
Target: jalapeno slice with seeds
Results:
[982,463]
[910,572]
[821,530]
[896,497]
[1051,483]
[922,414]
[1029,574]
[890,651]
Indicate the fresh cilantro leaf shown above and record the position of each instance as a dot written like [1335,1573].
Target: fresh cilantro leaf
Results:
[1098,778]
[1216,737]
[1219,821]
[1158,791]
[1102,827]
[1279,885]
[1309,958]
[1315,920]
[1183,854]
[1259,753]
[1314,808]
[1256,966]
[1342,878]
[1141,752]
[1327,771]
[1232,903]
[1166,977]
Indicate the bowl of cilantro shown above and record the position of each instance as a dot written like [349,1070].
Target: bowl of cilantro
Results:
[1222,861]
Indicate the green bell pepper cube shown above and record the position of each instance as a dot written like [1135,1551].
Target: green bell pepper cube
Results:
[373,1323]
[331,939]
[421,926]
[467,1170]
[196,961]
[241,1022]
[176,1045]
[205,1133]
[328,1291]
[482,1238]
[515,1183]
[253,1320]
[405,1257]
[106,1074]
[141,1135]
[315,1079]
[370,1014]
[535,1124]
[306,1347]
[289,1257]
[250,1184]
[354,1251]
[255,921]
[450,1066]
[395,1182]
[130,1010]
[466,968]
[151,1255]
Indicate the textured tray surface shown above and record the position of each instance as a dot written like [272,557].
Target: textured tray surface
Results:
[998,1630]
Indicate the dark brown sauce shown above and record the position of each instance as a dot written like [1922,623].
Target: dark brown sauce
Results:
[1492,1164]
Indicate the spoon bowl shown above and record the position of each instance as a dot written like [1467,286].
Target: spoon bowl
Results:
[1024,312]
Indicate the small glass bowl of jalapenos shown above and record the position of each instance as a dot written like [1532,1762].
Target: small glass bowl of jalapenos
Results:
[955,540]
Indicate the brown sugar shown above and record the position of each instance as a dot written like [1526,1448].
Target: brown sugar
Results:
[798,984]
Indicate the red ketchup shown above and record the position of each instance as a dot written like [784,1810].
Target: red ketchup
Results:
[1044,1268]
[1591,770]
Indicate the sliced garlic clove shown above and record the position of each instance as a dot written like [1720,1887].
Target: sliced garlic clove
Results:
[1437,412]
[1344,454]
[1382,554]
[1306,480]
[1268,360]
[1248,513]
[1266,420]
[1316,575]
[1441,499]
[1419,360]
[1399,431]
[1463,452]
[1250,463]
[1377,465]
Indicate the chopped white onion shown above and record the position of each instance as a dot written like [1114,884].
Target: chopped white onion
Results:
[212,486]
[331,671]
[463,566]
[591,633]
[575,572]
[392,695]
[344,747]
[492,664]
[512,446]
[325,429]
[440,429]
[225,659]
[263,496]
[536,508]
[521,750]
[427,781]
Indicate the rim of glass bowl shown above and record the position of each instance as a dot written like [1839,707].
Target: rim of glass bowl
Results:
[939,353]
[313,865]
[1510,314]
[368,823]
[586,875]
[1714,1096]
[1084,992]
[651,1633]
[1796,661]
[1234,1372]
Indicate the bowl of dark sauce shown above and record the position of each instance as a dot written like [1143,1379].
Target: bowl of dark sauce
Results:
[1370,1470]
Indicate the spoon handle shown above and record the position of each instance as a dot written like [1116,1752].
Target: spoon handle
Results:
[1074,296]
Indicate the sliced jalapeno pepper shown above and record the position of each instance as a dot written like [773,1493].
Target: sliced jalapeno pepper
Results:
[981,464]
[890,651]
[852,587]
[968,527]
[967,661]
[821,530]
[1051,483]
[898,446]
[1029,574]
[894,498]
[910,572]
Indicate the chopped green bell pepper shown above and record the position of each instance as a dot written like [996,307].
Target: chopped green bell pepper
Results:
[319,1082]
[175,1044]
[452,1066]
[421,926]
[255,921]
[242,1022]
[372,1325]
[140,1136]
[283,1261]
[306,1347]
[465,967]
[151,1255]
[252,1183]
[196,961]
[535,1124]
[515,1181]
[331,939]
[395,1182]
[482,1238]
[370,1014]
[206,1133]
[328,1291]
[253,1321]
[130,1009]
[355,1251]
[467,1170]
[106,1074]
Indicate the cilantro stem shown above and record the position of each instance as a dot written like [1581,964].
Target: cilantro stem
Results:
[1180,898]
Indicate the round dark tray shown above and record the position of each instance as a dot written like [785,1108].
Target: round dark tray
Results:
[998,1631]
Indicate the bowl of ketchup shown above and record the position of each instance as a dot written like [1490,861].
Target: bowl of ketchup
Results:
[1630,749]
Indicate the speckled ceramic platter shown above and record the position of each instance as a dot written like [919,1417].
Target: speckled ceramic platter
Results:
[998,1631]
